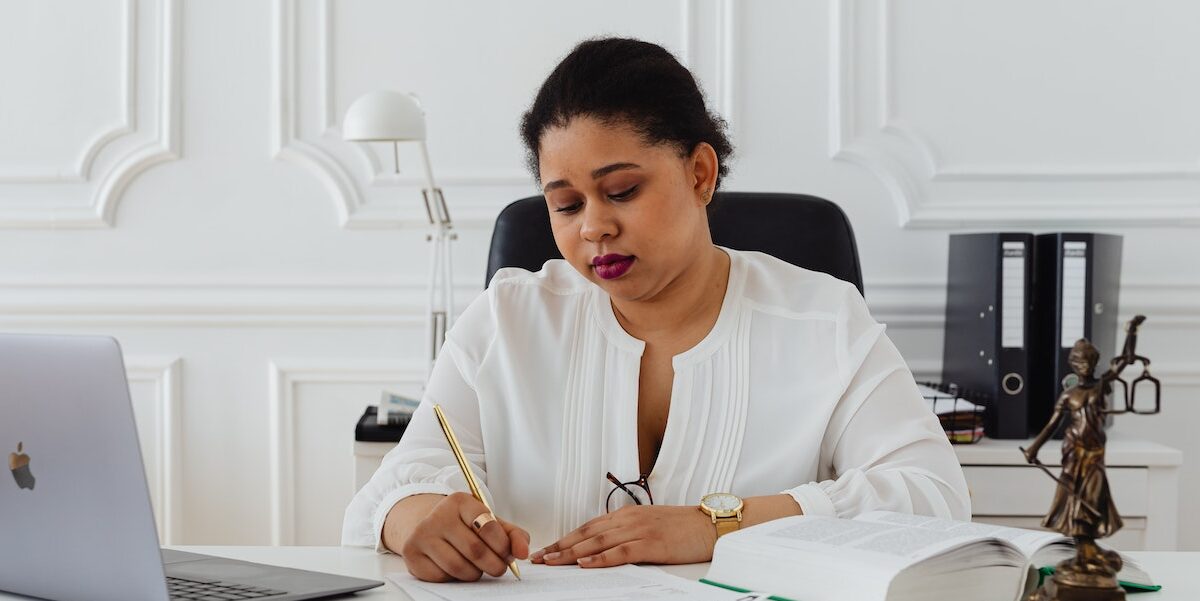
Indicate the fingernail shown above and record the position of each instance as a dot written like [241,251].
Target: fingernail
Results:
[537,555]
[552,556]
[589,559]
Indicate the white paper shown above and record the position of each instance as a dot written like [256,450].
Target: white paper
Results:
[944,402]
[1074,291]
[540,582]
[1012,295]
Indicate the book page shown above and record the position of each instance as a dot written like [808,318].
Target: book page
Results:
[822,558]
[1027,542]
[541,582]
[883,548]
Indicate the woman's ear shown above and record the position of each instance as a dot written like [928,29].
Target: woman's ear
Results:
[703,166]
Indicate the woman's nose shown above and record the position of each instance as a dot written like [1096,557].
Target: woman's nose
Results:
[598,222]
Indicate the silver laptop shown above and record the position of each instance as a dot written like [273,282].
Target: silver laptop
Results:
[75,514]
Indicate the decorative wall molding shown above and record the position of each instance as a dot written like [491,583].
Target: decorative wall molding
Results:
[80,170]
[367,303]
[285,375]
[165,375]
[348,191]
[348,181]
[867,130]
[349,303]
[85,197]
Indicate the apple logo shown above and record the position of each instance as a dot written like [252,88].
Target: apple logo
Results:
[19,464]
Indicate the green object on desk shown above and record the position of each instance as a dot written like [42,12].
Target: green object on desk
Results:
[1132,587]
[740,590]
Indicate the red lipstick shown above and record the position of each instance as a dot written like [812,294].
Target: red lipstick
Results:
[612,266]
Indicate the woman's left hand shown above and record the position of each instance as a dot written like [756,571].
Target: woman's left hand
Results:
[636,534]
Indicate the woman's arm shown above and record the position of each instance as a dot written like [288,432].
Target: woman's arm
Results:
[421,463]
[883,448]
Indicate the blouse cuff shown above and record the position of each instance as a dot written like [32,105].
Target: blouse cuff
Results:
[812,500]
[389,501]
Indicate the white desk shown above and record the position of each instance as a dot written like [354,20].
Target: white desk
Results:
[1143,477]
[1175,571]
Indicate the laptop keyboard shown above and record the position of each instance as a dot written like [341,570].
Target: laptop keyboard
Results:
[197,590]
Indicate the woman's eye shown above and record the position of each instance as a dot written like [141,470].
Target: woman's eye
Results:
[569,209]
[623,195]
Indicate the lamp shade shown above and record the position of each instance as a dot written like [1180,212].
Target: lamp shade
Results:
[384,116]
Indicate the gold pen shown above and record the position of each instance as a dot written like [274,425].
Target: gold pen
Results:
[466,470]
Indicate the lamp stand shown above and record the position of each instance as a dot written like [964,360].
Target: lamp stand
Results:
[440,305]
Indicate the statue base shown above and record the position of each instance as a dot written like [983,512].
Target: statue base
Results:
[1052,591]
[1073,582]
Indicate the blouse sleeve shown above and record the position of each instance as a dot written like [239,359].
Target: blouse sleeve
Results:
[422,461]
[883,448]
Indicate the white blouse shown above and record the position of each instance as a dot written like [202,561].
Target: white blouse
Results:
[796,390]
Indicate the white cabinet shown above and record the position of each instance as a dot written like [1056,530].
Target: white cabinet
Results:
[1143,477]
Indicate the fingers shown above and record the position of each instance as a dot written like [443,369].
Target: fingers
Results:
[586,531]
[587,547]
[619,555]
[424,568]
[481,556]
[446,546]
[518,539]
[495,537]
[452,562]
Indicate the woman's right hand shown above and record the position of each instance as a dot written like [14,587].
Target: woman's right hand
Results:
[444,546]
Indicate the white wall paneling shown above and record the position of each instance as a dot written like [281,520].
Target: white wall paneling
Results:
[285,267]
[1035,126]
[309,100]
[156,391]
[313,406]
[97,119]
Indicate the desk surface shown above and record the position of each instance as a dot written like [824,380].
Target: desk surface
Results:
[1176,571]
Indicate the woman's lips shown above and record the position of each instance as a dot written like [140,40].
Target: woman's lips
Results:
[612,266]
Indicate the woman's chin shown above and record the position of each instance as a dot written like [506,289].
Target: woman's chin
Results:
[623,288]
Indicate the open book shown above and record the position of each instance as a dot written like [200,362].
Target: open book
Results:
[893,556]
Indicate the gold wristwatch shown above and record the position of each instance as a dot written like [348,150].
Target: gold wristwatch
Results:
[725,510]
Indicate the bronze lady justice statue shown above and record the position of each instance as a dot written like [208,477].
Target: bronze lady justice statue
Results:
[1083,507]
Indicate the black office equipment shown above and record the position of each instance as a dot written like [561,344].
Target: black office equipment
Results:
[803,230]
[368,428]
[988,325]
[1078,282]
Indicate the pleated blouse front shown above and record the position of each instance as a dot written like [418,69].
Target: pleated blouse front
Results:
[795,390]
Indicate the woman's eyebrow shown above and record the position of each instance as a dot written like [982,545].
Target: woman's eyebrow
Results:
[596,174]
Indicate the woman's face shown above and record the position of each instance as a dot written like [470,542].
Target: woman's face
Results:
[1080,364]
[627,215]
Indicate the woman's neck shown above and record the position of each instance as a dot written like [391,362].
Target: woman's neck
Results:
[694,298]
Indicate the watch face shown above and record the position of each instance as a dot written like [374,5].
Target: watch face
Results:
[722,502]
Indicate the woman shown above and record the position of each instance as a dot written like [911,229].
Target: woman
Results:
[603,396]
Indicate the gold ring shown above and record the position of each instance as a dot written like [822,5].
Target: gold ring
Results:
[482,520]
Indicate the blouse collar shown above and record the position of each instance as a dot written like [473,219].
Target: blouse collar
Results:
[715,339]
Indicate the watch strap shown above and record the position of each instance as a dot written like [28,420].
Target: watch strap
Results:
[727,525]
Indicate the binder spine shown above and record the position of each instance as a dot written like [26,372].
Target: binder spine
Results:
[1014,324]
[988,325]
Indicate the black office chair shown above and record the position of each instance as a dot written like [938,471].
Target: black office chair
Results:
[803,230]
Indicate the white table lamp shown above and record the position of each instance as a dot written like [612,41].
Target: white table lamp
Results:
[387,116]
